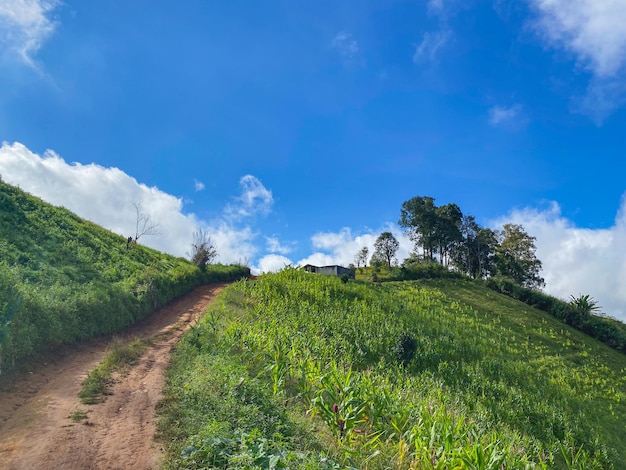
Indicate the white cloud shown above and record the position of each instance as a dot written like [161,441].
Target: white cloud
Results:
[579,260]
[271,264]
[254,199]
[435,6]
[502,116]
[603,96]
[25,25]
[432,43]
[275,246]
[345,44]
[592,30]
[198,185]
[341,247]
[106,197]
[234,244]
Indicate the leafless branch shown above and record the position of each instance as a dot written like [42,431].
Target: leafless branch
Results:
[144,225]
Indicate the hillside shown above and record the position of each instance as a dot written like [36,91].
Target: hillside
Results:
[304,371]
[64,279]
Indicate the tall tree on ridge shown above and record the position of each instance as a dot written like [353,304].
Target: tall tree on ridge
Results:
[473,255]
[419,219]
[447,232]
[515,257]
[385,247]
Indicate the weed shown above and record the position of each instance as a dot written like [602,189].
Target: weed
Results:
[119,357]
[78,415]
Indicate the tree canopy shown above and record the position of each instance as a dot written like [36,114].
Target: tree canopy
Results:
[385,247]
[515,257]
[444,234]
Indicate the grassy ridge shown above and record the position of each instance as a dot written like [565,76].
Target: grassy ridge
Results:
[64,279]
[432,374]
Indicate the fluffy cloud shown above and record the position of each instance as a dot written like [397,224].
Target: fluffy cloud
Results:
[107,196]
[345,44]
[579,260]
[341,247]
[25,25]
[275,246]
[255,199]
[592,30]
[271,263]
[431,45]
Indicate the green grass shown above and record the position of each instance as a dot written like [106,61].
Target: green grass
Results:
[77,415]
[64,279]
[119,358]
[425,374]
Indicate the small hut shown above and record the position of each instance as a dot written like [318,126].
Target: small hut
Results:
[333,270]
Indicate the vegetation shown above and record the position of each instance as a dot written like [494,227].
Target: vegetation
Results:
[575,313]
[445,235]
[203,251]
[78,415]
[361,257]
[301,371]
[119,358]
[474,254]
[64,279]
[385,248]
[584,305]
[144,226]
[515,257]
[434,229]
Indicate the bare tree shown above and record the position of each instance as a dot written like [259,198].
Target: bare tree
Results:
[203,250]
[361,257]
[144,225]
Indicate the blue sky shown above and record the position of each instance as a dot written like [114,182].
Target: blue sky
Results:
[293,131]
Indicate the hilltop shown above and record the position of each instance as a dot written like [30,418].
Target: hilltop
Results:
[64,279]
[305,371]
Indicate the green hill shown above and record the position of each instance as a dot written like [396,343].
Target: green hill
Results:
[297,370]
[64,279]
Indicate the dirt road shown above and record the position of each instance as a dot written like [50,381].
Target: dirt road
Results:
[35,429]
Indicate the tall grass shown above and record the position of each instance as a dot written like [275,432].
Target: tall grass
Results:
[398,375]
[64,279]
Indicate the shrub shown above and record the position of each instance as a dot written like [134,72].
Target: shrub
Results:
[425,270]
[609,331]
[406,348]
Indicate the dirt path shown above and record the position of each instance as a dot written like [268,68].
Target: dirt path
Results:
[35,431]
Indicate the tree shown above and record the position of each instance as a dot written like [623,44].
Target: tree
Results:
[418,218]
[515,257]
[584,304]
[473,254]
[144,226]
[385,247]
[203,251]
[361,257]
[10,304]
[447,233]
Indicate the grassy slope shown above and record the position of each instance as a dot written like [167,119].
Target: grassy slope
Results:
[490,376]
[63,278]
[587,368]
